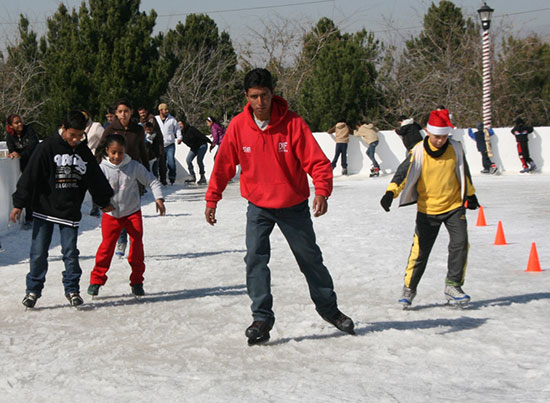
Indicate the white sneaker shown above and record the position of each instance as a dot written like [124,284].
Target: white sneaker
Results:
[407,297]
[120,250]
[455,293]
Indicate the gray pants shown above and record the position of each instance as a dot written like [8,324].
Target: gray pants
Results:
[296,226]
[427,228]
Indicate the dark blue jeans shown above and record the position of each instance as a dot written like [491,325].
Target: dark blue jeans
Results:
[199,153]
[296,226]
[41,238]
[370,153]
[341,149]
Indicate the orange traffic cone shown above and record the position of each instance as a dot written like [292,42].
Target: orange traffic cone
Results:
[500,239]
[533,264]
[481,218]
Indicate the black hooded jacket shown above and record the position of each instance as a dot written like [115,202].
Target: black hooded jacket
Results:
[24,145]
[56,180]
[193,138]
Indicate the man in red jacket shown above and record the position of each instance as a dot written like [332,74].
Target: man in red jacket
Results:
[276,152]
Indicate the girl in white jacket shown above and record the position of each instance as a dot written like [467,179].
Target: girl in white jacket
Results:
[123,174]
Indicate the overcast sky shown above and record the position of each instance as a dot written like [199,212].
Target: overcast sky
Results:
[389,19]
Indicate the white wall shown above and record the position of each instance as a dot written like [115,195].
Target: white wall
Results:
[389,153]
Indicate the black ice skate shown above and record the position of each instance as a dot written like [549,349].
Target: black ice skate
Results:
[30,300]
[258,332]
[341,321]
[137,290]
[74,298]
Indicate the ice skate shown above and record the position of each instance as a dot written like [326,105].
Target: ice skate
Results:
[93,290]
[191,179]
[120,250]
[30,300]
[341,321]
[258,332]
[137,290]
[202,180]
[455,295]
[344,171]
[525,170]
[74,299]
[532,167]
[374,172]
[493,170]
[407,297]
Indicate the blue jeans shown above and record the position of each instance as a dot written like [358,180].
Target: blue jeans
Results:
[41,238]
[199,153]
[370,153]
[341,149]
[123,238]
[169,152]
[296,226]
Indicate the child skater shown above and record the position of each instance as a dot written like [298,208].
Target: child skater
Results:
[123,174]
[437,179]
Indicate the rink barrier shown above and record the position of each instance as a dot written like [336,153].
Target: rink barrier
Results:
[389,153]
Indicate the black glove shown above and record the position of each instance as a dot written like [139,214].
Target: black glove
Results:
[471,202]
[386,200]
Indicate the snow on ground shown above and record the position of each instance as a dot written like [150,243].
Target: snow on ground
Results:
[184,341]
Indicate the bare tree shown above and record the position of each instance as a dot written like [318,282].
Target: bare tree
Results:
[202,83]
[19,83]
[287,47]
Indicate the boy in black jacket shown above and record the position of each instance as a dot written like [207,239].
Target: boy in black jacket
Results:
[54,184]
[521,131]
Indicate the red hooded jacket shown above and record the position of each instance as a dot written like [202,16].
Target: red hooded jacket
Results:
[274,162]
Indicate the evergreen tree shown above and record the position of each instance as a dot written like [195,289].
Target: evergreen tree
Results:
[94,56]
[341,86]
[204,82]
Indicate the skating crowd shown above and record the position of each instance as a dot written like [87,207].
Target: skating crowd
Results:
[276,152]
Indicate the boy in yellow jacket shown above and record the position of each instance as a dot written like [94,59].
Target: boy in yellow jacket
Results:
[437,178]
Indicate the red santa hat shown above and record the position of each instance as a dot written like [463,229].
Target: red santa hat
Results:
[439,122]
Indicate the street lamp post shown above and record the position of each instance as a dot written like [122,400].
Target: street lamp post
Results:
[485,13]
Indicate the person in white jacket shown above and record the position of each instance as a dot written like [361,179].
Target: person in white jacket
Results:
[123,174]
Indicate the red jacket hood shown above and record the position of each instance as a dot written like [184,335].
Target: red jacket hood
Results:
[279,110]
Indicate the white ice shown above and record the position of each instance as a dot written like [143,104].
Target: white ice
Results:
[184,341]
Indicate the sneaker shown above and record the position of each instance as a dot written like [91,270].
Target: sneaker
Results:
[454,293]
[120,250]
[258,332]
[30,300]
[341,321]
[407,297]
[74,298]
[137,290]
[93,289]
[493,170]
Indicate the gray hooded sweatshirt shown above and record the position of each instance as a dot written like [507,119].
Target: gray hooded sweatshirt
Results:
[124,179]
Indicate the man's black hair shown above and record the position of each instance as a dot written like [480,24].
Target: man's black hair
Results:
[258,78]
[149,124]
[75,120]
[122,101]
[141,107]
[401,118]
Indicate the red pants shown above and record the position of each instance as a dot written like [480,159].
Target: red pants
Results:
[110,231]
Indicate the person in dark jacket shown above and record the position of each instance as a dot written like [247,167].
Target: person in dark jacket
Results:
[522,131]
[409,131]
[489,167]
[54,184]
[198,143]
[21,141]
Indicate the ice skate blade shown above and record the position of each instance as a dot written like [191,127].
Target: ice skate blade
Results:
[260,340]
